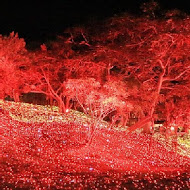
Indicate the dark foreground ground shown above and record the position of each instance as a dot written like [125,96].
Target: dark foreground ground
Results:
[55,156]
[109,180]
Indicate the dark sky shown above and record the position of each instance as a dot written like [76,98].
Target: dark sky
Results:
[39,20]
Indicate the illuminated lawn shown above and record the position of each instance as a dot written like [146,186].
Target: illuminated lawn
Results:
[43,149]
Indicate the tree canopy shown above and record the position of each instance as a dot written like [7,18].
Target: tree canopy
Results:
[142,62]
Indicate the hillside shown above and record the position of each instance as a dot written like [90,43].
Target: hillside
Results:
[44,154]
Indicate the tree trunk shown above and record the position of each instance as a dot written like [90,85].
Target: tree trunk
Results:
[51,101]
[156,96]
[16,96]
[61,106]
[149,118]
[92,131]
[140,124]
[67,103]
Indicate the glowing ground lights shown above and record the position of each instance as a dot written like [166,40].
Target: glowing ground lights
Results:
[52,155]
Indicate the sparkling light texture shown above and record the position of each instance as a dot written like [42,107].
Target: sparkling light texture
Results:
[129,71]
[54,155]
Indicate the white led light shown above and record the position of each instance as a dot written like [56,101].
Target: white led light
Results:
[172,128]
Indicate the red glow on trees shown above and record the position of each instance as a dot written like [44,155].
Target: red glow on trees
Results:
[129,72]
[148,60]
[96,100]
[13,66]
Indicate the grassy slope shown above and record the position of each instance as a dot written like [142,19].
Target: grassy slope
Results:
[37,152]
[29,113]
[25,112]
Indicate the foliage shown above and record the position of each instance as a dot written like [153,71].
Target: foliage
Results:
[95,100]
[13,64]
[158,58]
[123,66]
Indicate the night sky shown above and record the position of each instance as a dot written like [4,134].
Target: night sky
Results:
[40,20]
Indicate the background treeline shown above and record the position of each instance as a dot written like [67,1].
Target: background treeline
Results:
[125,67]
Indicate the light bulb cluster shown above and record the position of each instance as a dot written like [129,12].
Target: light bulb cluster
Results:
[55,156]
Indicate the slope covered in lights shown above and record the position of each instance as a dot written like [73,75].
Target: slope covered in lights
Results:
[55,155]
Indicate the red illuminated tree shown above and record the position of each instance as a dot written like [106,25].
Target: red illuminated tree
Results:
[159,60]
[13,65]
[150,54]
[48,80]
[95,100]
[154,53]
[147,58]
